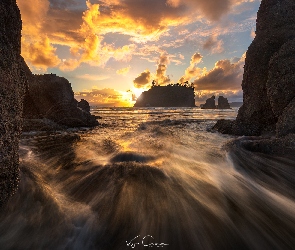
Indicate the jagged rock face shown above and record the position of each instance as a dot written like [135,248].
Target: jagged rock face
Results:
[268,81]
[281,78]
[12,81]
[50,96]
[223,103]
[167,96]
[210,103]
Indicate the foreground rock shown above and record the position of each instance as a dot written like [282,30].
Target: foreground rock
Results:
[167,96]
[12,82]
[268,82]
[51,97]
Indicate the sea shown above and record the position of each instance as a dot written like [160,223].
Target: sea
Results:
[148,178]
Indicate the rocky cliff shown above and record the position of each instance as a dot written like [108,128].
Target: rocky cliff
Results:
[167,96]
[12,82]
[269,73]
[51,97]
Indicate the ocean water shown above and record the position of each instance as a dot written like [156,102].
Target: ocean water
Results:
[148,178]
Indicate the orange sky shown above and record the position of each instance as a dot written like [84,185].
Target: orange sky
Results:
[111,49]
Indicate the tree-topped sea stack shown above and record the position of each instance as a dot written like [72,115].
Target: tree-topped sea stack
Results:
[12,82]
[269,75]
[167,96]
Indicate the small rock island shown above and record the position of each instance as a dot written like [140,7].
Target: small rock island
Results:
[210,103]
[167,96]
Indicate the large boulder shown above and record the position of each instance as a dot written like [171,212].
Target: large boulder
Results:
[12,82]
[268,81]
[50,96]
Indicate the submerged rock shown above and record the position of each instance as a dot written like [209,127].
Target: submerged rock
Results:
[12,82]
[167,96]
[50,96]
[268,81]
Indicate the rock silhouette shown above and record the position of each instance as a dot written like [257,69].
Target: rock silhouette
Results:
[268,81]
[51,97]
[210,103]
[167,96]
[12,82]
[223,103]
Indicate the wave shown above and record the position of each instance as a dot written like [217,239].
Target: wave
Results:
[161,184]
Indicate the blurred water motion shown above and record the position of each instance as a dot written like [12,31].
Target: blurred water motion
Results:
[148,178]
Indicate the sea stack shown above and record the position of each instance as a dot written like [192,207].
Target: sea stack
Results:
[223,103]
[167,96]
[12,81]
[210,103]
[269,75]
[51,97]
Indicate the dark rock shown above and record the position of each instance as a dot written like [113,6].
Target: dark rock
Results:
[223,103]
[50,96]
[12,82]
[41,125]
[286,122]
[167,96]
[281,78]
[83,104]
[210,103]
[269,72]
[224,126]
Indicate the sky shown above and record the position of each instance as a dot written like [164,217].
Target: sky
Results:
[111,50]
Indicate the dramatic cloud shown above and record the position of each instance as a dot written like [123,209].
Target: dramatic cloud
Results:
[214,45]
[49,23]
[69,64]
[226,75]
[192,71]
[232,96]
[161,77]
[36,46]
[143,79]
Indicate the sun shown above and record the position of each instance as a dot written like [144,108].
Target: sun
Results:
[137,91]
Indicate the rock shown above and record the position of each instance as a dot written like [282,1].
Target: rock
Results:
[83,104]
[223,103]
[41,125]
[167,96]
[268,81]
[50,96]
[281,78]
[286,122]
[210,103]
[12,82]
